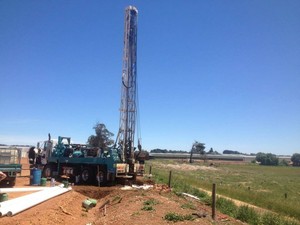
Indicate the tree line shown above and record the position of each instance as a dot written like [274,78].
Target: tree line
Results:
[103,139]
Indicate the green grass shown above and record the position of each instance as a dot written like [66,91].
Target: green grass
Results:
[189,205]
[175,217]
[263,186]
[148,204]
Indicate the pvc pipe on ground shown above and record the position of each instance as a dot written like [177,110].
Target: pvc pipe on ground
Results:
[28,197]
[10,190]
[5,206]
[191,196]
[25,205]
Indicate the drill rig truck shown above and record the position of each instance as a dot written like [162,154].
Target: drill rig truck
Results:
[85,164]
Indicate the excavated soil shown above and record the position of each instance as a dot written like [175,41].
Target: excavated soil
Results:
[114,206]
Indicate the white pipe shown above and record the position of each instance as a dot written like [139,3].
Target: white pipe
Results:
[10,190]
[19,208]
[191,196]
[5,206]
[29,196]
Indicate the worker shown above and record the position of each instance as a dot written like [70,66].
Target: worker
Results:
[31,156]
[38,160]
[2,176]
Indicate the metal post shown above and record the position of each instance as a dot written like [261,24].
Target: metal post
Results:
[170,175]
[150,170]
[213,205]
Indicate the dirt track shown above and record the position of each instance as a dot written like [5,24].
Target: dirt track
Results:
[123,207]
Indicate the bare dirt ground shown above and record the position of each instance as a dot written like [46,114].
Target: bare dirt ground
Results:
[122,207]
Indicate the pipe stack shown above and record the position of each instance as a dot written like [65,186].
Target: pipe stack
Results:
[14,206]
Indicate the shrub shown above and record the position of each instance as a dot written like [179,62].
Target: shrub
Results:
[174,217]
[226,206]
[148,204]
[267,159]
[248,215]
[284,163]
[296,159]
[270,219]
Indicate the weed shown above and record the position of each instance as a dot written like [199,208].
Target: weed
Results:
[270,219]
[148,204]
[135,214]
[189,205]
[148,208]
[175,217]
[226,206]
[151,201]
[248,215]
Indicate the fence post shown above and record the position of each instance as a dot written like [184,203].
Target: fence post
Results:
[150,169]
[213,205]
[170,175]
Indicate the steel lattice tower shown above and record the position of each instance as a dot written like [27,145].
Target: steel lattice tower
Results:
[128,110]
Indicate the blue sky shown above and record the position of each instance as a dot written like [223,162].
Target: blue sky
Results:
[225,73]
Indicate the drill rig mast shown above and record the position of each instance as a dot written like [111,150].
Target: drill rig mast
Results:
[128,109]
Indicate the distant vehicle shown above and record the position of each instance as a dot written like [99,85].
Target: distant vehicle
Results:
[10,164]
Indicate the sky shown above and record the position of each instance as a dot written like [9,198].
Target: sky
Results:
[224,73]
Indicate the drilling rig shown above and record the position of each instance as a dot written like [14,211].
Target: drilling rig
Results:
[128,108]
[84,164]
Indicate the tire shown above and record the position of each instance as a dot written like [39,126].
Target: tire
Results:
[12,182]
[102,177]
[48,171]
[86,176]
[8,182]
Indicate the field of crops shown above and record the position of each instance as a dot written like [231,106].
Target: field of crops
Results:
[274,188]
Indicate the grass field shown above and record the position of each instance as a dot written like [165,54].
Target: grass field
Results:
[273,188]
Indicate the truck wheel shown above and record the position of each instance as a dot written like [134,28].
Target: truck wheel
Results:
[86,176]
[48,171]
[101,177]
[12,182]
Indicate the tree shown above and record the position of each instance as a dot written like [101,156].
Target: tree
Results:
[296,159]
[197,148]
[211,151]
[267,159]
[102,138]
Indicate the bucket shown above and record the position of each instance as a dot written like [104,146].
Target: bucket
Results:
[3,197]
[35,176]
[93,201]
[65,183]
[87,204]
[43,181]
